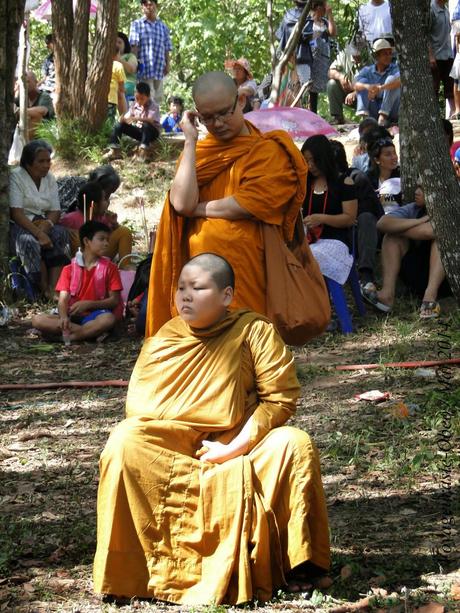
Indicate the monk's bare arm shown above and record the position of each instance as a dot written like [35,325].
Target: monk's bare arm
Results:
[224,208]
[184,193]
[217,453]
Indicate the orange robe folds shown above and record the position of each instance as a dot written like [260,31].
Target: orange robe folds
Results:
[266,174]
[185,531]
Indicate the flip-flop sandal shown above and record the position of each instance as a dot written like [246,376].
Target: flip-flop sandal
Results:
[371,297]
[430,309]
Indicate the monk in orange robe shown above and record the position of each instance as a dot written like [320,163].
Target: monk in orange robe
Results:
[225,186]
[205,496]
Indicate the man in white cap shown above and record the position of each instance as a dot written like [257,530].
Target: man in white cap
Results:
[378,86]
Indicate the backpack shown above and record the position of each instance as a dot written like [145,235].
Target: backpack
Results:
[141,278]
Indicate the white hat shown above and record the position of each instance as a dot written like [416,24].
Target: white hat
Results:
[380,44]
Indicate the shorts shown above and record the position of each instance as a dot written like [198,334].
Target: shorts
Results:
[87,318]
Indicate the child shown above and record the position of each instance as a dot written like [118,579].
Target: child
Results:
[89,291]
[93,197]
[171,121]
[141,122]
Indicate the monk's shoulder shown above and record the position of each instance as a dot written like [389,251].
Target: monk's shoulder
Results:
[261,330]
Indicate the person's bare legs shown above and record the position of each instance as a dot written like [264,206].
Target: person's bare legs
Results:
[53,276]
[436,274]
[394,248]
[44,286]
[49,325]
[93,328]
[457,99]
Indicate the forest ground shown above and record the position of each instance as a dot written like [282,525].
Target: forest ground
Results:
[391,482]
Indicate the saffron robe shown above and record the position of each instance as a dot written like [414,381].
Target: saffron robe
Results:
[190,532]
[266,174]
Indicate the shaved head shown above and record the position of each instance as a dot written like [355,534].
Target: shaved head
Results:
[220,270]
[214,83]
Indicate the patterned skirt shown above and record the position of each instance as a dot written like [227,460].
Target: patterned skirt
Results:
[30,252]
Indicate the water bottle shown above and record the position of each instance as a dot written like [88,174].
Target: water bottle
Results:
[66,337]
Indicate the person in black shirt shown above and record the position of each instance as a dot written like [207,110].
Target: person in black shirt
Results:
[369,212]
[329,209]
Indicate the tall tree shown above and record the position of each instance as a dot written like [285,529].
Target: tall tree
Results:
[11,16]
[100,70]
[83,85]
[424,146]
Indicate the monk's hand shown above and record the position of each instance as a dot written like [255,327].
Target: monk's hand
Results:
[214,452]
[189,125]
[313,220]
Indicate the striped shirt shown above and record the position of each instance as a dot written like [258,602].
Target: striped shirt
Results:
[153,40]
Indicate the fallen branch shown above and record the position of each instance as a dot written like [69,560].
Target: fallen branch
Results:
[61,384]
[123,383]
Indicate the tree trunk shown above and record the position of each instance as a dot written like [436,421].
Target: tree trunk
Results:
[423,138]
[62,21]
[288,51]
[79,64]
[100,72]
[11,15]
[271,32]
[23,123]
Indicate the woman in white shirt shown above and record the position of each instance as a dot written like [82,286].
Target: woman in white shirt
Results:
[35,237]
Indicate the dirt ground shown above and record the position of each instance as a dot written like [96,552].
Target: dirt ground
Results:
[390,468]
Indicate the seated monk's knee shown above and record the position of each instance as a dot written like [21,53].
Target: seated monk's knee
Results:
[289,438]
[123,440]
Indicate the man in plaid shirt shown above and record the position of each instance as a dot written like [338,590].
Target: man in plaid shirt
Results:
[150,41]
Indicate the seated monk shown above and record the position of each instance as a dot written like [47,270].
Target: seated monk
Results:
[225,187]
[205,497]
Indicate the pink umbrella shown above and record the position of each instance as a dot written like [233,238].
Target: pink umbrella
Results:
[299,123]
[43,13]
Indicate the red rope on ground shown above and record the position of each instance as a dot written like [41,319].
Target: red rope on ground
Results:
[123,383]
[421,364]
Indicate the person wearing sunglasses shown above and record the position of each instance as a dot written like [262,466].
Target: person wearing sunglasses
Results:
[225,186]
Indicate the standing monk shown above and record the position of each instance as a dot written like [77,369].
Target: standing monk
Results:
[225,186]
[205,496]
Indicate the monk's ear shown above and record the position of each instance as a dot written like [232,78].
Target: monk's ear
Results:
[228,295]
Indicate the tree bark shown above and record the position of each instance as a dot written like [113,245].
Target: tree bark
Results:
[271,32]
[100,72]
[11,16]
[424,145]
[79,63]
[63,22]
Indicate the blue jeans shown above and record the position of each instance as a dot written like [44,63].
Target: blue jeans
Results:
[386,104]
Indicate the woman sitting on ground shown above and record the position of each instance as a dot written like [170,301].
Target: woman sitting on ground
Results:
[92,205]
[121,238]
[384,173]
[329,209]
[35,237]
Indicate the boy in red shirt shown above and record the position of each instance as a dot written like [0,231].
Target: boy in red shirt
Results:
[89,291]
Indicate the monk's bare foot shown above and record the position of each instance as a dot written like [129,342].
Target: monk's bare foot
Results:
[298,582]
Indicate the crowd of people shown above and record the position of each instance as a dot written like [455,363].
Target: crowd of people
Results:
[193,505]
